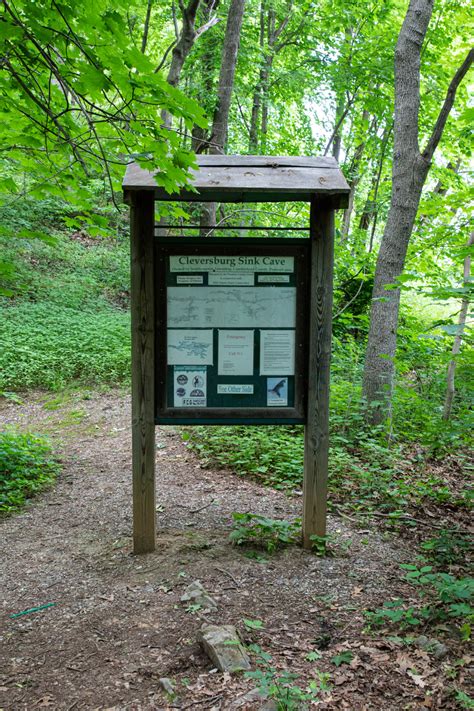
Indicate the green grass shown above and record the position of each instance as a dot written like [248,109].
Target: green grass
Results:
[27,466]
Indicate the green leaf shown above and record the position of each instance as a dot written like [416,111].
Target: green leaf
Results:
[342,658]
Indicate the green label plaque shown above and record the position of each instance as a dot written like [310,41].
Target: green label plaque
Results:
[231,330]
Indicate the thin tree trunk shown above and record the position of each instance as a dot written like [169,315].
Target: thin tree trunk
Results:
[181,49]
[450,389]
[220,122]
[354,179]
[265,99]
[338,120]
[257,95]
[375,212]
[369,211]
[261,93]
[146,27]
[409,172]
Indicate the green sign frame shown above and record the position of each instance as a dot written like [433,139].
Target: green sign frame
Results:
[231,336]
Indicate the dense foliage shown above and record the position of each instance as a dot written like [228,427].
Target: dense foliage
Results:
[27,465]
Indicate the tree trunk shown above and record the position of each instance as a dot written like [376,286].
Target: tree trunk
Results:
[181,50]
[146,27]
[450,389]
[369,212]
[260,98]
[220,122]
[354,178]
[409,171]
[257,95]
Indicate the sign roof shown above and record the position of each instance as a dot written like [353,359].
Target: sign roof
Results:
[222,178]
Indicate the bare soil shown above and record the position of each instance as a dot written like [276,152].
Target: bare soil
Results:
[117,624]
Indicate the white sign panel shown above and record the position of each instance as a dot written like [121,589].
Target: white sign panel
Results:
[189,279]
[235,353]
[237,389]
[230,279]
[277,352]
[273,278]
[212,263]
[221,307]
[189,347]
[189,386]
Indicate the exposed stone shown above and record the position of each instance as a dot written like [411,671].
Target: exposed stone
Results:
[223,646]
[196,594]
[269,705]
[431,645]
[251,697]
[167,685]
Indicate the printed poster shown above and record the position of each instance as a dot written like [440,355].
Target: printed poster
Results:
[277,392]
[187,347]
[277,352]
[235,353]
[189,386]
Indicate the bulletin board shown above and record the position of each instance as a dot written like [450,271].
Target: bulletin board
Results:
[231,330]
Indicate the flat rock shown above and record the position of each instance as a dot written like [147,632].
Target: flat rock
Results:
[196,594]
[167,685]
[431,645]
[223,646]
[253,696]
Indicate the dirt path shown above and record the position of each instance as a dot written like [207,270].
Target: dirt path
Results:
[118,625]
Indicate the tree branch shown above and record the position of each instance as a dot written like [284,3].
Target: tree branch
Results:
[447,106]
[146,26]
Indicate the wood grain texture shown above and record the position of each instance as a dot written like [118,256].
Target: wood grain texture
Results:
[143,365]
[251,178]
[320,327]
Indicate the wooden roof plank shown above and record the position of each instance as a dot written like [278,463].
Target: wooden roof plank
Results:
[252,178]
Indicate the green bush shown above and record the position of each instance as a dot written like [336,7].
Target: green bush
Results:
[447,598]
[27,465]
[269,533]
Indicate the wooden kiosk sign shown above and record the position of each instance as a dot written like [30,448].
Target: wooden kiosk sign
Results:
[233,330]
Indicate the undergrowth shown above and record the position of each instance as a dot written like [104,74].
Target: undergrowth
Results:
[442,599]
[68,318]
[27,466]
[364,475]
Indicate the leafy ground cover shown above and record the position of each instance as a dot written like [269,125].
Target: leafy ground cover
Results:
[67,319]
[367,477]
[27,465]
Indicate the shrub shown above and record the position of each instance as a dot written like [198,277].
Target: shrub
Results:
[27,465]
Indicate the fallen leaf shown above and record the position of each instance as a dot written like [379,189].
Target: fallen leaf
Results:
[416,678]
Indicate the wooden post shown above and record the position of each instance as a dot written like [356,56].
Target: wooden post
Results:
[143,370]
[320,327]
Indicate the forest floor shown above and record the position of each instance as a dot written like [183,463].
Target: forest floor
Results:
[117,624]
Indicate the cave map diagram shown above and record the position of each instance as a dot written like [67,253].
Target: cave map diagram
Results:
[211,307]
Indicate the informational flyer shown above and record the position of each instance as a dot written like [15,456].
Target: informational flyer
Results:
[277,352]
[230,278]
[273,278]
[235,353]
[189,386]
[189,279]
[277,392]
[186,347]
